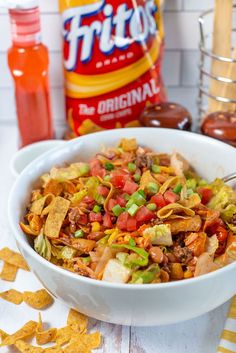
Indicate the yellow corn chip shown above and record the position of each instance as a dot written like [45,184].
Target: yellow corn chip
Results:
[74,348]
[87,341]
[54,349]
[12,296]
[25,347]
[13,258]
[43,337]
[77,321]
[26,229]
[26,331]
[8,272]
[38,300]
[3,335]
[56,216]
[39,204]
[63,335]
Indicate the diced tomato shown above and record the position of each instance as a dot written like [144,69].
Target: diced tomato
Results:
[88,200]
[107,221]
[103,190]
[131,224]
[130,187]
[121,201]
[206,195]
[95,217]
[159,200]
[144,215]
[111,204]
[122,221]
[83,219]
[118,181]
[221,234]
[118,178]
[96,168]
[170,196]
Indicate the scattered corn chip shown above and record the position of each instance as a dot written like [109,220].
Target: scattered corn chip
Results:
[26,331]
[8,272]
[38,300]
[86,341]
[43,337]
[13,258]
[3,335]
[73,348]
[12,296]
[77,321]
[63,335]
[25,347]
[54,349]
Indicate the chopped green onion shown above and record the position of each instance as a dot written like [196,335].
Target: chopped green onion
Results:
[191,184]
[131,167]
[132,242]
[130,203]
[97,209]
[109,166]
[136,198]
[133,209]
[156,169]
[142,193]
[177,189]
[84,169]
[151,206]
[117,210]
[152,188]
[137,177]
[107,178]
[126,197]
[79,233]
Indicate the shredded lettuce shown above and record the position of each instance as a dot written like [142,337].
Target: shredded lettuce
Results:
[223,195]
[74,171]
[78,196]
[159,234]
[92,187]
[43,247]
[67,253]
[228,213]
[146,276]
[140,258]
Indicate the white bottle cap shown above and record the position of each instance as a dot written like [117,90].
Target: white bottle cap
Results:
[21,4]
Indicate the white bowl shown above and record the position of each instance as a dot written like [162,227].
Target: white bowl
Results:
[27,154]
[127,304]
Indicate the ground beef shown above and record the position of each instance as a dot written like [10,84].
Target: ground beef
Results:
[183,254]
[164,161]
[143,159]
[75,218]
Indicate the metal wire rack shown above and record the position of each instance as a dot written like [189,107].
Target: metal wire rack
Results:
[206,54]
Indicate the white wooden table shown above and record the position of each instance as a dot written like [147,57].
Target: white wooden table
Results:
[200,335]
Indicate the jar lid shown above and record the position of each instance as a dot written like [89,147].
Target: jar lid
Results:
[22,4]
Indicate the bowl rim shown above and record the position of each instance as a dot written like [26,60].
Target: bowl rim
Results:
[31,252]
[19,155]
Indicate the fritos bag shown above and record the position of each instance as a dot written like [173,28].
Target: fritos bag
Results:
[112,57]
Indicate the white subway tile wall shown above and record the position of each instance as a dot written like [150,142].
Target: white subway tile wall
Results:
[180,67]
